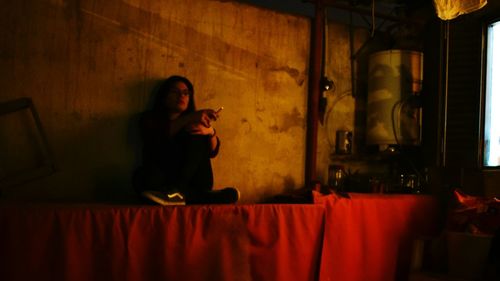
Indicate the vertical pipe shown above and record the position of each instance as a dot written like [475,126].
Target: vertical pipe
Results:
[314,92]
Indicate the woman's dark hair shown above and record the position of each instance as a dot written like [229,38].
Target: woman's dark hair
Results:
[164,91]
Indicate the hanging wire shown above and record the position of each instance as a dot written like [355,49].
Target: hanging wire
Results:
[373,18]
[335,101]
[325,43]
[324,60]
[399,106]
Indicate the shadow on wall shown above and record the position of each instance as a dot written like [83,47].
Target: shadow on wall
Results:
[148,90]
[113,182]
[290,193]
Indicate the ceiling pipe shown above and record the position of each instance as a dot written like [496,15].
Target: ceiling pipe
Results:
[362,11]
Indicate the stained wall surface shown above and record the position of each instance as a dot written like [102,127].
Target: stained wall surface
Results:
[91,67]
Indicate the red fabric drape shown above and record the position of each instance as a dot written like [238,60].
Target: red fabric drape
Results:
[365,238]
[370,237]
[248,242]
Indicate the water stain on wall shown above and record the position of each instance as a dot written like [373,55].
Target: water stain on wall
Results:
[292,72]
[288,121]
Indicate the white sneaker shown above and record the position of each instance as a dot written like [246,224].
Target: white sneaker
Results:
[164,198]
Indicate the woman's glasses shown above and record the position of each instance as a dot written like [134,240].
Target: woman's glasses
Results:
[180,92]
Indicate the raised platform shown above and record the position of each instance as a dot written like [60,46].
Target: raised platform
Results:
[366,237]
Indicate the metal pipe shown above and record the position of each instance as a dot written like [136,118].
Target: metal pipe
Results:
[314,93]
[335,4]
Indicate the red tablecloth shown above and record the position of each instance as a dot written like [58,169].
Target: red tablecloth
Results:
[247,242]
[367,237]
[370,237]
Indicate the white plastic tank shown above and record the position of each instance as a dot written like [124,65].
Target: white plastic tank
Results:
[393,107]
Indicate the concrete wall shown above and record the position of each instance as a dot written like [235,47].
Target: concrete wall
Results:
[91,67]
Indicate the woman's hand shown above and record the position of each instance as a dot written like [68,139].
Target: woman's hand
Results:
[200,129]
[191,122]
[203,117]
[200,125]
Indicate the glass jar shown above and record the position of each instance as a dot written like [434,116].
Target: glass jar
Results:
[336,177]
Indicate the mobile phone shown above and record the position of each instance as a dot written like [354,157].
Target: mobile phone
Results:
[219,110]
